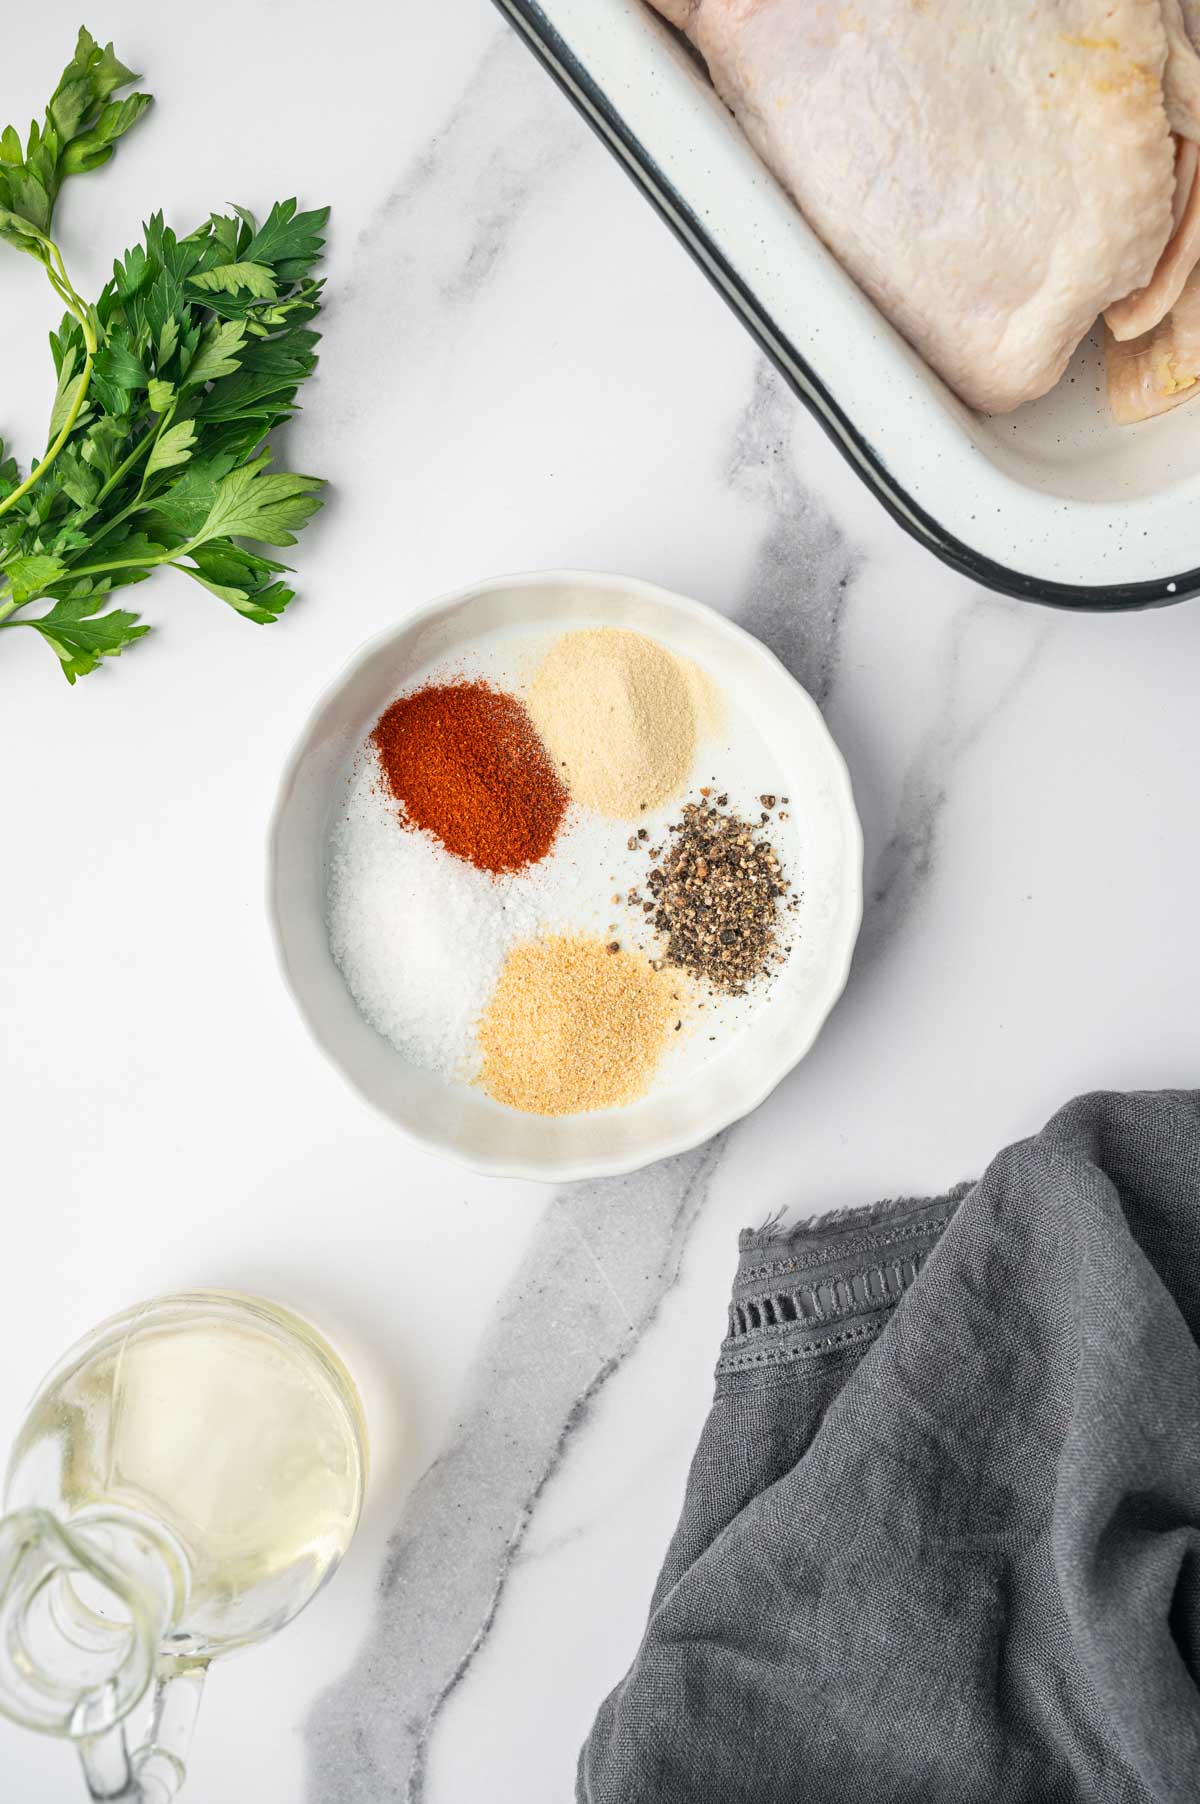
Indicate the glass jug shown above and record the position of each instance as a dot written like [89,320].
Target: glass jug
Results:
[186,1479]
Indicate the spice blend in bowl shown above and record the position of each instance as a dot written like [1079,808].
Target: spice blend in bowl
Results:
[489,908]
[383,948]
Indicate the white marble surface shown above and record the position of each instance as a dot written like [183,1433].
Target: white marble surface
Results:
[521,369]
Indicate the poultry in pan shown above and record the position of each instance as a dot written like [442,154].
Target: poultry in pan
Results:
[994,176]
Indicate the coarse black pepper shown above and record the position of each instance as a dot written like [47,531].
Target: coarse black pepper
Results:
[716,896]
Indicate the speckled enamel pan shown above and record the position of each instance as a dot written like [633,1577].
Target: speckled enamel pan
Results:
[1054,503]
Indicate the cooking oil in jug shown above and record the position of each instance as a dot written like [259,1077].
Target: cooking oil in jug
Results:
[184,1482]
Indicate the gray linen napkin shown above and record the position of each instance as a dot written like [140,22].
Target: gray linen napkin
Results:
[941,1537]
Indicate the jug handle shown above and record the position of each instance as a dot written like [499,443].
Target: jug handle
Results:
[119,1664]
[160,1764]
[156,1772]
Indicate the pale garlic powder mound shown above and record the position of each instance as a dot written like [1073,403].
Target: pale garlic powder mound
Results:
[619,715]
[574,1024]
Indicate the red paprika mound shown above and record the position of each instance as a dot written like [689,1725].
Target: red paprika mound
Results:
[467,764]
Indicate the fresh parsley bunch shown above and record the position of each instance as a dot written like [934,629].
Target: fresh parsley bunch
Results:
[167,389]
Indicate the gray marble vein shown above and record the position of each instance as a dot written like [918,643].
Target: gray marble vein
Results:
[795,601]
[906,862]
[804,564]
[602,1259]
[439,237]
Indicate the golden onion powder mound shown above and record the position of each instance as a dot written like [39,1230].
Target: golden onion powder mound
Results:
[619,716]
[575,1024]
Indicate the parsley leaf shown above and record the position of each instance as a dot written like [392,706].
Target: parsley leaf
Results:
[79,132]
[80,637]
[250,504]
[231,278]
[217,354]
[287,236]
[174,446]
[242,579]
[167,389]
[30,575]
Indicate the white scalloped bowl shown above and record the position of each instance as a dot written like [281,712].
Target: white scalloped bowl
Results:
[458,1120]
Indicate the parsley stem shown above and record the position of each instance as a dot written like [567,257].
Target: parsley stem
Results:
[61,283]
[139,450]
[117,520]
[144,444]
[8,606]
[126,563]
[39,470]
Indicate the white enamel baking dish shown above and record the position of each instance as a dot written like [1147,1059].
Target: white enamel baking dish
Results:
[1053,503]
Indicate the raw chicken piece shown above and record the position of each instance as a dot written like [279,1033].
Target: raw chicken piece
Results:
[994,175]
[1187,159]
[1142,309]
[1154,373]
[1181,81]
[1156,363]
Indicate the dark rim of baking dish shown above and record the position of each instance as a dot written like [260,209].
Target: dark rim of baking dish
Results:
[581,89]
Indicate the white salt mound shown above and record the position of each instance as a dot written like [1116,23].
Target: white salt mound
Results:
[420,936]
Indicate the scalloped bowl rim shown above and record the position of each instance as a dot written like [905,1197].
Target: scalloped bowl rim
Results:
[835,973]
